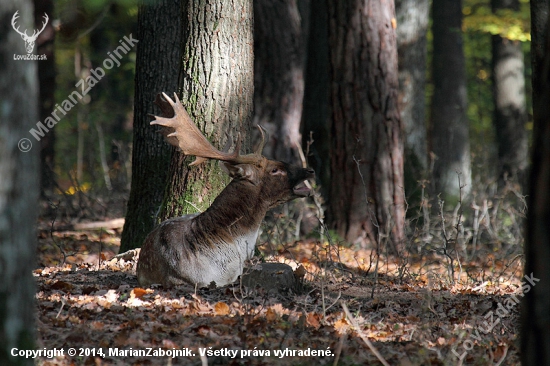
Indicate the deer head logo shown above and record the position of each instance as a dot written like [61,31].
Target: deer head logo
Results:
[29,40]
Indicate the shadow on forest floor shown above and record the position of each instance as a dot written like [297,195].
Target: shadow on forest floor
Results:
[414,316]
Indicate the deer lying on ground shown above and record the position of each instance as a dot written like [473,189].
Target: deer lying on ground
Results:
[212,246]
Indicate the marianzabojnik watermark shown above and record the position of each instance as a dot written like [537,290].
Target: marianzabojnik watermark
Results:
[501,311]
[85,85]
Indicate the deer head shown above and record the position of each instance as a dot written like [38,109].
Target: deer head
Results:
[29,40]
[212,246]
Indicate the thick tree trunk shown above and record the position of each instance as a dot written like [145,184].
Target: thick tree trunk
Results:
[449,125]
[367,195]
[535,309]
[509,98]
[540,9]
[19,186]
[217,90]
[46,79]
[157,68]
[315,114]
[412,27]
[279,76]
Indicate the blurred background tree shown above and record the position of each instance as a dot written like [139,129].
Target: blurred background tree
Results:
[93,141]
[19,187]
[412,42]
[449,127]
[366,145]
[510,27]
[279,56]
[88,154]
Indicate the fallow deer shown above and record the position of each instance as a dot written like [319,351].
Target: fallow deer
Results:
[212,246]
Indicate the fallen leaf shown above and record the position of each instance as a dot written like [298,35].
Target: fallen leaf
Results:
[313,320]
[138,292]
[221,308]
[271,315]
[341,325]
[300,272]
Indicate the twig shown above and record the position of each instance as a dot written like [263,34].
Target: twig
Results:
[335,301]
[510,264]
[374,221]
[61,308]
[363,337]
[52,230]
[339,349]
[94,225]
[204,360]
[448,240]
[503,356]
[100,249]
[479,287]
[459,227]
[193,205]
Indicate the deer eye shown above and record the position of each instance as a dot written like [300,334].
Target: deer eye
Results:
[275,171]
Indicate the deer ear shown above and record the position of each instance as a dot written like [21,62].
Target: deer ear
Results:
[241,171]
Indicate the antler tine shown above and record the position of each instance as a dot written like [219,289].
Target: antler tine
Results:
[262,143]
[181,132]
[44,23]
[13,21]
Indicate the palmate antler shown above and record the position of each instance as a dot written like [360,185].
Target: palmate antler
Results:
[180,131]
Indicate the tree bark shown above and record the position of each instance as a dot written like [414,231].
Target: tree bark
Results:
[279,76]
[412,27]
[540,9]
[535,308]
[367,197]
[217,90]
[19,186]
[157,67]
[315,116]
[46,79]
[510,114]
[449,125]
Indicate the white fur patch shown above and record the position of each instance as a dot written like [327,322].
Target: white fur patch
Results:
[222,264]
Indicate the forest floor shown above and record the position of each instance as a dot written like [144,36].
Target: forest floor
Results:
[90,305]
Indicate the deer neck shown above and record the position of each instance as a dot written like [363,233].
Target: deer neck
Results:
[238,209]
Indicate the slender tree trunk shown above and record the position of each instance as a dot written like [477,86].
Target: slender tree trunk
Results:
[449,125]
[19,186]
[315,114]
[46,79]
[535,309]
[217,90]
[113,97]
[412,27]
[509,98]
[367,195]
[157,67]
[279,76]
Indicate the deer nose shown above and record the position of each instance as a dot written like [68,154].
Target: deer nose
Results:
[310,173]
